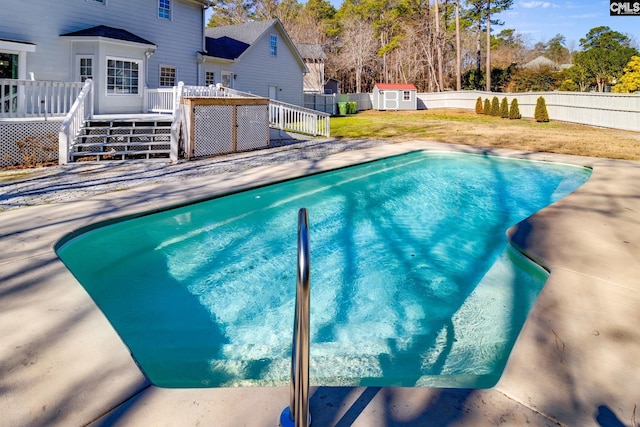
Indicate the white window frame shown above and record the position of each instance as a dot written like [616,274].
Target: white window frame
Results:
[406,95]
[140,76]
[273,45]
[79,74]
[212,81]
[175,75]
[169,10]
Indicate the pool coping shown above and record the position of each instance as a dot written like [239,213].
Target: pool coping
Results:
[573,364]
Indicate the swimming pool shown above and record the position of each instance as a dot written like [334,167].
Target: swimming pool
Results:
[413,283]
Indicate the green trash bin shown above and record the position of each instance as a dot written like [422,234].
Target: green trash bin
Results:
[352,107]
[342,108]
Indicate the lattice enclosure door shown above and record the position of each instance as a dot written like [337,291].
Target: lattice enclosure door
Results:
[253,128]
[213,130]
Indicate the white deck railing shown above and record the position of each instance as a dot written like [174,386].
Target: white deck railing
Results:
[81,110]
[35,98]
[294,118]
[283,116]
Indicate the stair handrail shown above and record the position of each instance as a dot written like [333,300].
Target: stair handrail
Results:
[176,122]
[297,414]
[80,111]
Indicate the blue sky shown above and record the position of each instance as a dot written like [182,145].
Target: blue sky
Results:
[541,20]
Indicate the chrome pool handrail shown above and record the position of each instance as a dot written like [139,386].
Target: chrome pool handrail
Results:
[298,411]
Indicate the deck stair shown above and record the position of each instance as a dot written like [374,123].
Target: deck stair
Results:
[108,140]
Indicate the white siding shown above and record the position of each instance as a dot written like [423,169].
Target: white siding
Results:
[43,21]
[256,70]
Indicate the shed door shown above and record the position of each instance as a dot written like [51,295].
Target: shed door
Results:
[391,99]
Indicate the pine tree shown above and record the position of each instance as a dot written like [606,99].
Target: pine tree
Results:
[495,107]
[514,111]
[541,114]
[487,106]
[479,105]
[504,108]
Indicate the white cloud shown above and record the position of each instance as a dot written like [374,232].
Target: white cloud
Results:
[533,4]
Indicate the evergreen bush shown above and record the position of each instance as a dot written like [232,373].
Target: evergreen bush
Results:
[479,105]
[514,111]
[504,108]
[495,107]
[541,114]
[487,106]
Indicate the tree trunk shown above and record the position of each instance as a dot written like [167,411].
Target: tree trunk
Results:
[458,60]
[488,79]
[439,46]
[476,83]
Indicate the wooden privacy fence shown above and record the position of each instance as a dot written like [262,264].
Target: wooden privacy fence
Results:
[610,110]
[212,126]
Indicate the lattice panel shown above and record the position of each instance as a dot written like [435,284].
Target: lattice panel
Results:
[253,128]
[28,142]
[213,132]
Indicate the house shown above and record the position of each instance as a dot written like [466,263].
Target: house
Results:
[314,58]
[123,46]
[256,57]
[394,96]
[544,62]
[331,86]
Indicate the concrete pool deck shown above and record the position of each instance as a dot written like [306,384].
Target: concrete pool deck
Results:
[575,362]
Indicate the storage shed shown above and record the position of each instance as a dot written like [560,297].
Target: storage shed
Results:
[395,96]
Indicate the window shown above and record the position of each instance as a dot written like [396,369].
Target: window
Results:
[164,9]
[227,79]
[122,76]
[167,76]
[209,78]
[8,66]
[273,45]
[85,68]
[406,95]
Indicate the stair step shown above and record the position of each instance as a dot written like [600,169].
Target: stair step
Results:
[121,144]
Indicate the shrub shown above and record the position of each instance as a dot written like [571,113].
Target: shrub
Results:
[38,150]
[487,106]
[541,114]
[495,107]
[514,111]
[479,105]
[504,108]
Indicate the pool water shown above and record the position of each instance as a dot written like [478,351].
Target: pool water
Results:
[412,280]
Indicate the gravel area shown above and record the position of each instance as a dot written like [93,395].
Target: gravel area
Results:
[29,187]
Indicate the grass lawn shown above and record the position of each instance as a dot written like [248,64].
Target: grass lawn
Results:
[468,128]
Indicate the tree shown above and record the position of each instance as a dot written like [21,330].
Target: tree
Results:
[540,113]
[480,12]
[495,107]
[487,107]
[504,108]
[630,80]
[557,52]
[605,54]
[514,111]
[541,79]
[479,109]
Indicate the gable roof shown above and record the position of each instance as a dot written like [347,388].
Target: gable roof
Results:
[230,42]
[311,51]
[110,33]
[540,61]
[395,86]
[225,47]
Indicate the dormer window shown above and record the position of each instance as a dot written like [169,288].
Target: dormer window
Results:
[164,9]
[273,45]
